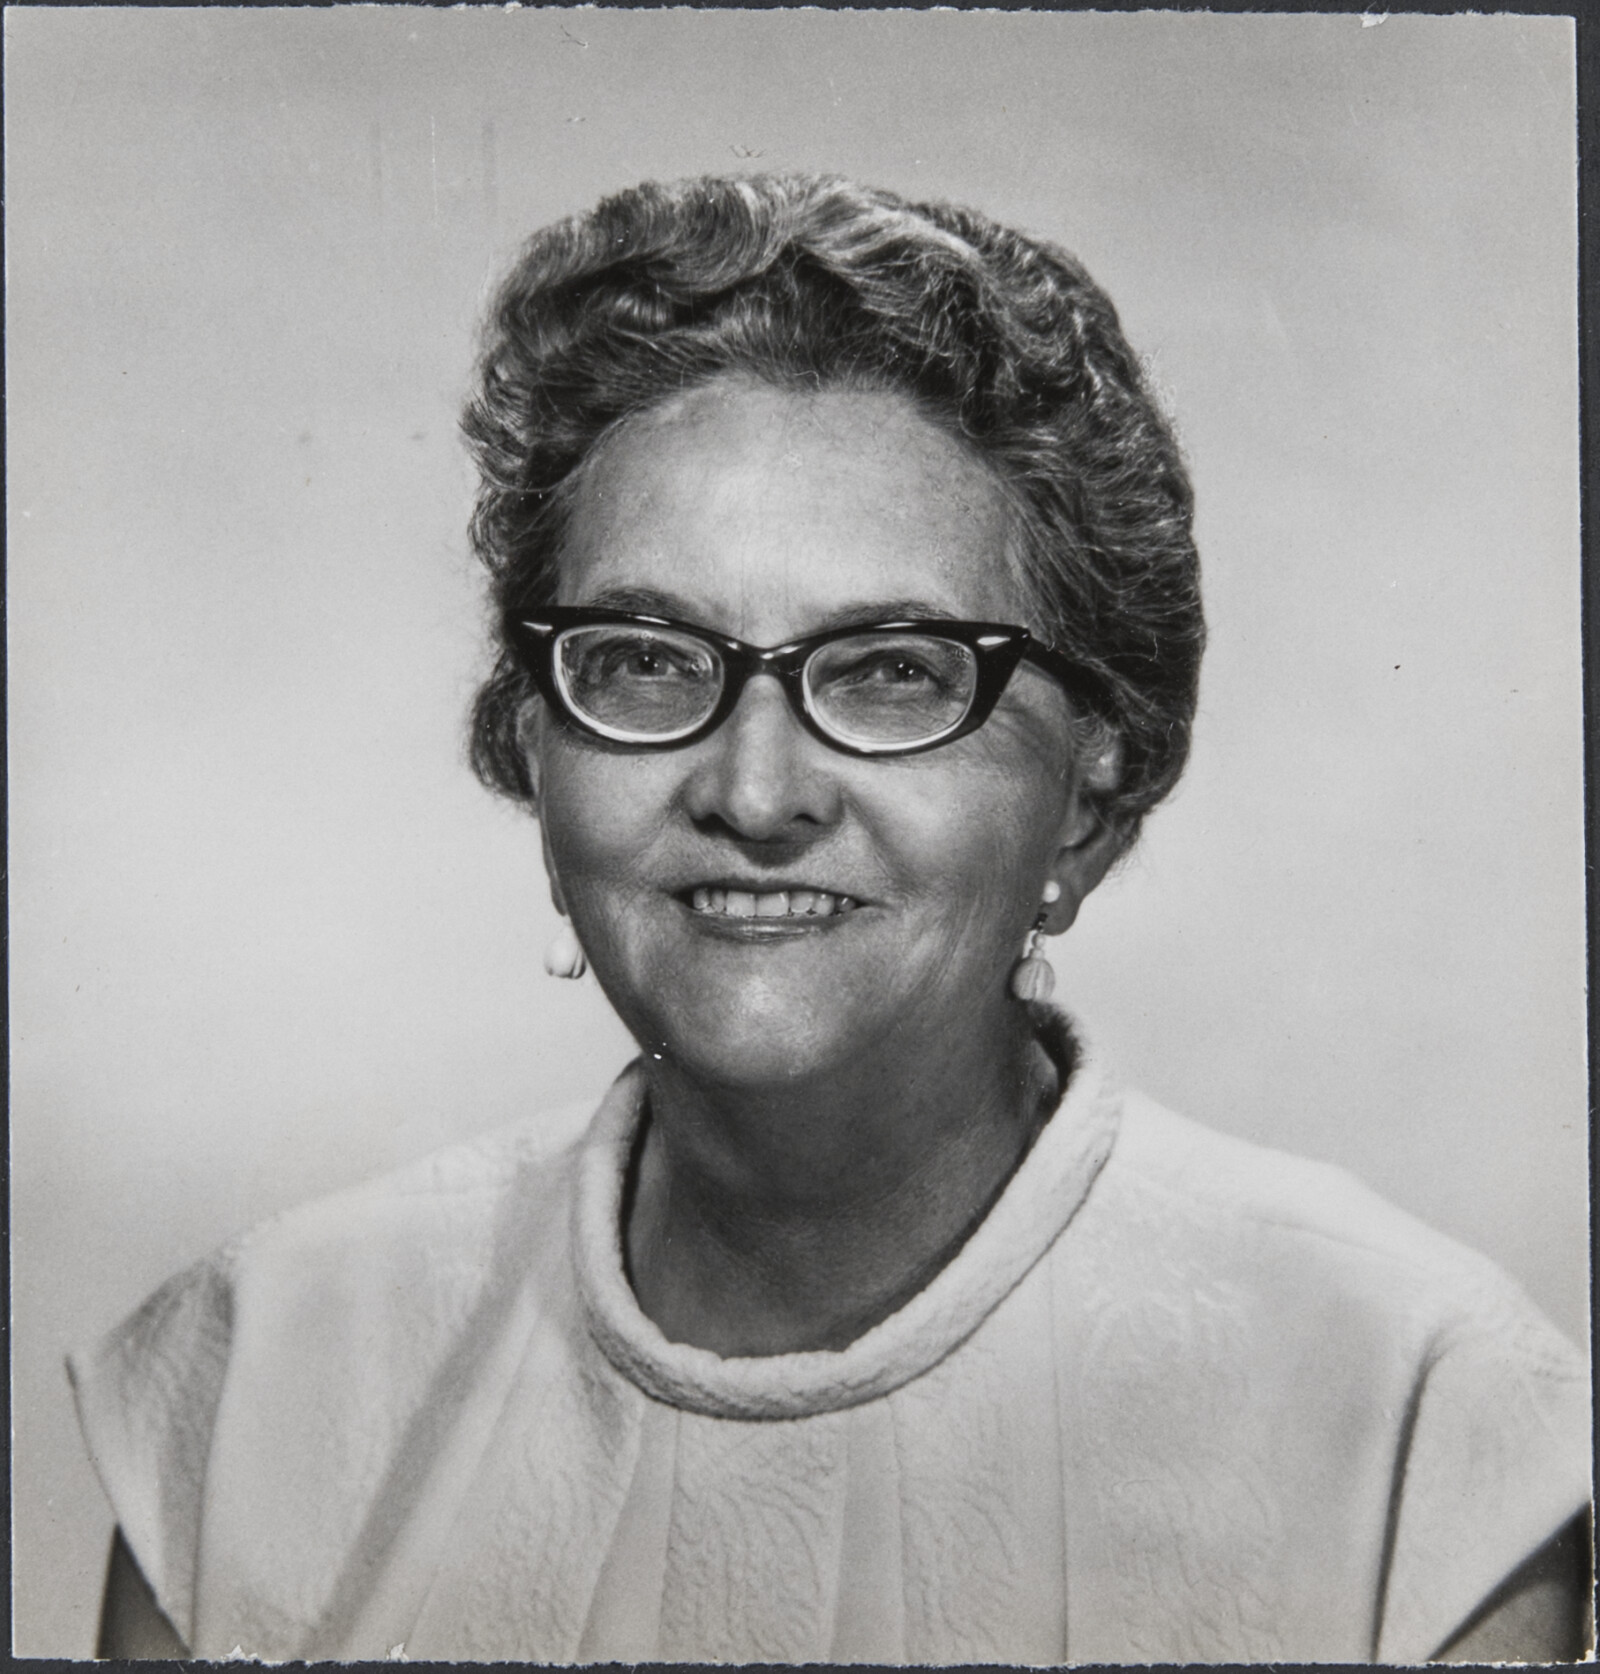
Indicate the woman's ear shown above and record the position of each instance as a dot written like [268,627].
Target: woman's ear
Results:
[1090,843]
[527,737]
[1078,869]
[557,899]
[528,724]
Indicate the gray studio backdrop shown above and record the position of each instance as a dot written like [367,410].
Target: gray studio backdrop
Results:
[268,936]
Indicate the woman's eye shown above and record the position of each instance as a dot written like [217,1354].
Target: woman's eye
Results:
[651,660]
[902,672]
[889,669]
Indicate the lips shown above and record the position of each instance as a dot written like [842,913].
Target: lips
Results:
[715,901]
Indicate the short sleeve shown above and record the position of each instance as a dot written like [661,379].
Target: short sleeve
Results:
[147,1398]
[1496,1460]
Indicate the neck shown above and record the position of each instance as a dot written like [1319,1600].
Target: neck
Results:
[776,1219]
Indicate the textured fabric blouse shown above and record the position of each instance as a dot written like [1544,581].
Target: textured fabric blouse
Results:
[1178,1398]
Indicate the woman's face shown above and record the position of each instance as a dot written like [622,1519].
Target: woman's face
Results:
[769,515]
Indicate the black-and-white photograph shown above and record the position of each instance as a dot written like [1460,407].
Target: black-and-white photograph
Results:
[796,836]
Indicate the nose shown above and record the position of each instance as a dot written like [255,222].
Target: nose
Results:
[761,775]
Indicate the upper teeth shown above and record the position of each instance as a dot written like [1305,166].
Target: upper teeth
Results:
[778,903]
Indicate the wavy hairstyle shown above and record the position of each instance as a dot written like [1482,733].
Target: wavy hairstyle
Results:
[813,281]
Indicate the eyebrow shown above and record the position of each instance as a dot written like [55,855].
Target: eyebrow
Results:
[647,601]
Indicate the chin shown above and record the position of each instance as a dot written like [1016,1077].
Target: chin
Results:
[759,1037]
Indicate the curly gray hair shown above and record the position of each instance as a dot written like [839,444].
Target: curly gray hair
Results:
[816,281]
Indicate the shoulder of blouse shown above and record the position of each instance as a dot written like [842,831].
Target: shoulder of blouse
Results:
[1224,1189]
[1484,1403]
[418,1259]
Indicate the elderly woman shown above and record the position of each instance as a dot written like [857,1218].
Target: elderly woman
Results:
[848,628]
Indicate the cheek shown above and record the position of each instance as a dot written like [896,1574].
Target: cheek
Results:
[974,834]
[602,815]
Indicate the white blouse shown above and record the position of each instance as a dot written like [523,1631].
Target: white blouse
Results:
[1179,1398]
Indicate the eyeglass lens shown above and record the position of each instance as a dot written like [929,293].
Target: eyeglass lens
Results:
[637,682]
[871,690]
[877,689]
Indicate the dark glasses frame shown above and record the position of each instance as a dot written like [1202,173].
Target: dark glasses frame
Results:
[997,647]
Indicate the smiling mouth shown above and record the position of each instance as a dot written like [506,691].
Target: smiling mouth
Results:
[711,901]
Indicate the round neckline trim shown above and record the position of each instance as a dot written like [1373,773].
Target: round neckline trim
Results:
[1038,1201]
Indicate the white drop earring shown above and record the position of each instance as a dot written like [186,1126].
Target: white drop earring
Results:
[564,957]
[1033,979]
